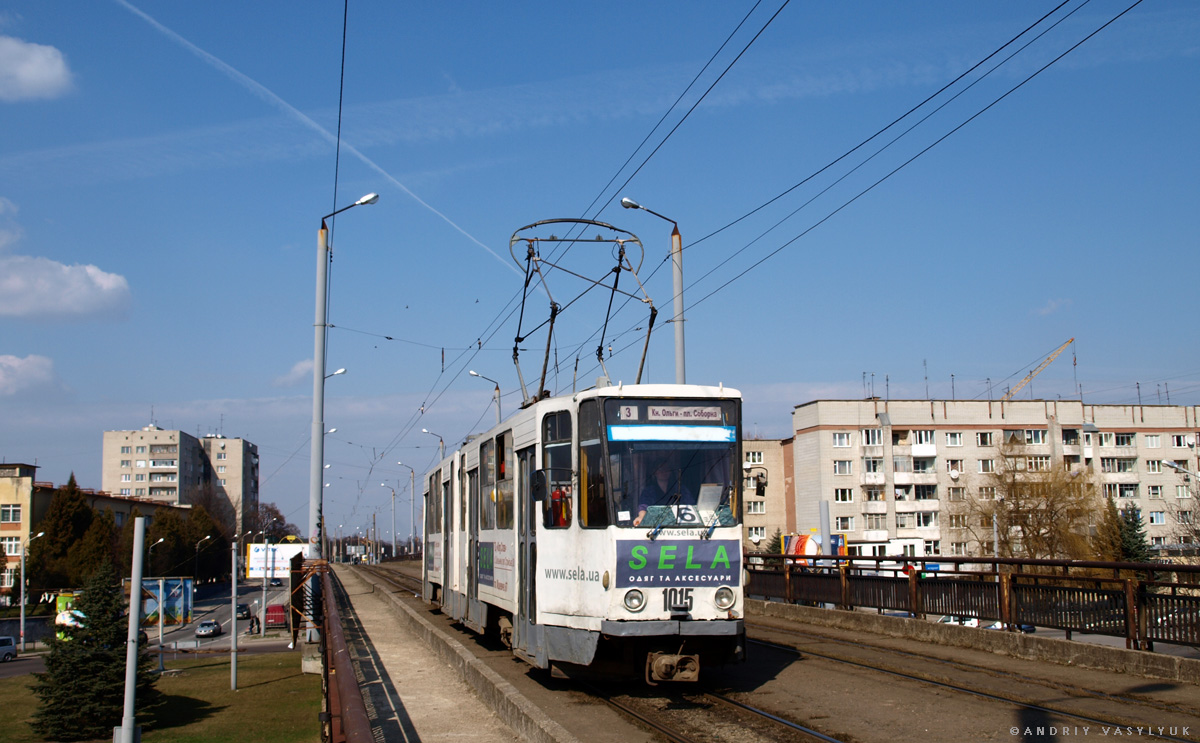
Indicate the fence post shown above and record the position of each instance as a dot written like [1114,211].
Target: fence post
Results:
[915,608]
[1006,599]
[1131,616]
[787,581]
[845,580]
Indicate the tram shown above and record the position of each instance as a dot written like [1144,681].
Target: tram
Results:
[598,527]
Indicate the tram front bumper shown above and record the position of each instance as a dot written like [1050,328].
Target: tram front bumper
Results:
[673,627]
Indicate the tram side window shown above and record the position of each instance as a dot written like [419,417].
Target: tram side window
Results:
[556,462]
[487,485]
[504,481]
[593,490]
[434,502]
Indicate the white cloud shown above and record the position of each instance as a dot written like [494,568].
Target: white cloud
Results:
[300,372]
[31,71]
[41,288]
[1053,306]
[21,374]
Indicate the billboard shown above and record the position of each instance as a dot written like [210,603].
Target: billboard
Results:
[175,600]
[272,560]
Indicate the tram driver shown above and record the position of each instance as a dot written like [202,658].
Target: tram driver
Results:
[664,486]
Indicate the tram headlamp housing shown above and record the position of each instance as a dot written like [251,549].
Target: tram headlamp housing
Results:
[724,598]
[634,600]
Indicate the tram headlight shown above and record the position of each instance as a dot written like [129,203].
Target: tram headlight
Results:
[634,600]
[724,598]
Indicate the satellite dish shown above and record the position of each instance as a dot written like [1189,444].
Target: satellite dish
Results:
[756,539]
[953,474]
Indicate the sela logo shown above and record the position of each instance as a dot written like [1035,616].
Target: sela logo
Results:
[669,562]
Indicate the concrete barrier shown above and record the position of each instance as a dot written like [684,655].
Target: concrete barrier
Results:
[1015,644]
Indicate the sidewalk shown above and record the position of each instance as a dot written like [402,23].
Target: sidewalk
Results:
[410,694]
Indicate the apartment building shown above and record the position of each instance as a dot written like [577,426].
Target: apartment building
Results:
[768,487]
[175,467]
[894,471]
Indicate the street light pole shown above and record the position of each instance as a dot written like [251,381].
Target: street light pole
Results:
[495,394]
[412,501]
[677,284]
[389,487]
[441,443]
[317,454]
[24,580]
[196,562]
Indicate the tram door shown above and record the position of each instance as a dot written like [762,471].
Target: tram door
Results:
[444,477]
[527,636]
[475,619]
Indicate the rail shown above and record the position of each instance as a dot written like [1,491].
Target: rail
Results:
[1142,602]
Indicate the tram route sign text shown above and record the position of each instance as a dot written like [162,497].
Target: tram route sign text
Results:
[667,562]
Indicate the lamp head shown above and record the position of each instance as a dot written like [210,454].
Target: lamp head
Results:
[473,373]
[370,198]
[629,203]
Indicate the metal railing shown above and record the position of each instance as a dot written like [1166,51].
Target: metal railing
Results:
[1142,602]
[344,718]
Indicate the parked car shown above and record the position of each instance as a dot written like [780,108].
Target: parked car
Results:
[243,611]
[276,582]
[969,622]
[8,648]
[208,628]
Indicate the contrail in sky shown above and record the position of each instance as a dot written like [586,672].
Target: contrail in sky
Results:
[262,92]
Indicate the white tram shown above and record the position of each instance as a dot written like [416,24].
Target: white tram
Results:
[604,525]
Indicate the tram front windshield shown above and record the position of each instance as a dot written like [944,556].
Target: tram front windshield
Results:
[673,463]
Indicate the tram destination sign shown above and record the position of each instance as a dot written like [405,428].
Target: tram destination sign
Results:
[665,562]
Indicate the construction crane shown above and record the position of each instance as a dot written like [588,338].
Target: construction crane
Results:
[1029,377]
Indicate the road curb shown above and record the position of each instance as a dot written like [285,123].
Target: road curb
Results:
[524,717]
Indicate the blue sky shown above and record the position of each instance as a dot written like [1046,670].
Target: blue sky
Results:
[164,167]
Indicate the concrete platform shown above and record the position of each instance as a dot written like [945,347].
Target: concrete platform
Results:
[411,693]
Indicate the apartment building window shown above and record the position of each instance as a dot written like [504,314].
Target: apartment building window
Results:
[958,521]
[1158,541]
[933,547]
[1106,439]
[124,491]
[958,548]
[983,438]
[754,457]
[873,464]
[139,491]
[926,518]
[1070,436]
[1158,518]
[923,437]
[221,469]
[1154,466]
[1179,441]
[954,438]
[126,477]
[221,482]
[843,495]
[876,521]
[926,492]
[872,437]
[925,465]
[1110,490]
[987,466]
[139,477]
[8,578]
[841,439]
[1035,436]
[10,514]
[141,450]
[844,523]
[1117,464]
[126,450]
[1154,492]
[902,463]
[1182,491]
[1153,440]
[1184,517]
[954,465]
[910,550]
[1124,439]
[904,520]
[874,494]
[11,546]
[842,467]
[126,463]
[758,531]
[904,492]
[141,463]
[956,494]
[987,493]
[756,507]
[1037,464]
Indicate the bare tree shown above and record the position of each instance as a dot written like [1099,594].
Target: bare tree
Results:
[1031,507]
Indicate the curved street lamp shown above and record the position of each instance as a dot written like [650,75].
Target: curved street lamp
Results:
[677,283]
[441,443]
[495,394]
[320,324]
[412,499]
[24,581]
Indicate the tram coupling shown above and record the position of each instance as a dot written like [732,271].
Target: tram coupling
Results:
[671,667]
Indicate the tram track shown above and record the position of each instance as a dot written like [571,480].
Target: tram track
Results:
[1078,691]
[1023,703]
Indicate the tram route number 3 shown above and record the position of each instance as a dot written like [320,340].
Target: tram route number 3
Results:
[675,598]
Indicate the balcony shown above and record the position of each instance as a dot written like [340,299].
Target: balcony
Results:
[877,506]
[872,478]
[924,450]
[914,506]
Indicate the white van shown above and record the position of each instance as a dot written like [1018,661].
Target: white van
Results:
[8,648]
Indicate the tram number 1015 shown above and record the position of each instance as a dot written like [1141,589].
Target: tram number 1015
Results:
[675,599]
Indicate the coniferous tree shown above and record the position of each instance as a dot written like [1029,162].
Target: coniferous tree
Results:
[775,546]
[1108,538]
[82,692]
[67,519]
[97,547]
[1134,547]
